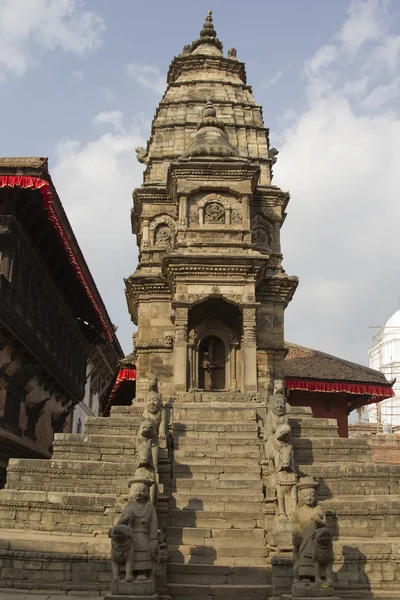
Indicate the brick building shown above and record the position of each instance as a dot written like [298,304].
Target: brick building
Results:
[51,313]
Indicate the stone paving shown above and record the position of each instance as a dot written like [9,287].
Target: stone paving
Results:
[10,594]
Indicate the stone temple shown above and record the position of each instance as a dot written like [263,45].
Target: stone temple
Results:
[228,458]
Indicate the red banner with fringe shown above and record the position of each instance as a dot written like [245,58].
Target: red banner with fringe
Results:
[311,385]
[35,183]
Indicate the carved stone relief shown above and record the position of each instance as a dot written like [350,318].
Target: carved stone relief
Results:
[236,216]
[214,213]
[163,236]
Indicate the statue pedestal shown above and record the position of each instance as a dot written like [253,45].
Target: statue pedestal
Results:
[312,594]
[135,590]
[281,535]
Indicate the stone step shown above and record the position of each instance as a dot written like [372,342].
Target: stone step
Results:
[217,460]
[211,574]
[365,516]
[195,428]
[331,450]
[217,486]
[218,502]
[201,536]
[220,519]
[201,442]
[301,411]
[99,446]
[220,471]
[72,475]
[183,591]
[309,427]
[363,479]
[213,412]
[50,511]
[218,554]
[220,451]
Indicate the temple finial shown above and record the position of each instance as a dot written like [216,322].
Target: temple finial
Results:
[208,27]
[208,37]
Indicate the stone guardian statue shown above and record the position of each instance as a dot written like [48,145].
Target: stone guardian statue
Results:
[140,518]
[312,541]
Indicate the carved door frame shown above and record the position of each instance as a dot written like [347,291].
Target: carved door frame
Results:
[213,327]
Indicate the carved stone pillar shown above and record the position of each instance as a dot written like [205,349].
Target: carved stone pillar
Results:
[183,211]
[145,233]
[246,211]
[201,216]
[249,349]
[233,368]
[180,348]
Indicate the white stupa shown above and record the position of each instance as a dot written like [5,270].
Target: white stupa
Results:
[384,356]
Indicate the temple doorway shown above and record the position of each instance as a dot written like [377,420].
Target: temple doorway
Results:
[212,364]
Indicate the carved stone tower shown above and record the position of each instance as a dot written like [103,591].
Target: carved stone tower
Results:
[209,292]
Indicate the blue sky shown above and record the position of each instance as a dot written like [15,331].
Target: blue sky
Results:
[80,82]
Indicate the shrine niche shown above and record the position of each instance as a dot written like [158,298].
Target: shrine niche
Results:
[213,347]
[261,231]
[214,210]
[162,230]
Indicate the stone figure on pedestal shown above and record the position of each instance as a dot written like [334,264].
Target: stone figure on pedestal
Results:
[155,413]
[139,519]
[283,476]
[279,458]
[312,541]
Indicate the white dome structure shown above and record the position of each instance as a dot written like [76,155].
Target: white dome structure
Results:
[384,356]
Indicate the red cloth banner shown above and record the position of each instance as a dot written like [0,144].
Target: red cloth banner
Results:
[35,183]
[311,385]
[124,374]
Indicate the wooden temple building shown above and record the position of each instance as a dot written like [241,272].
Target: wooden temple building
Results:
[51,314]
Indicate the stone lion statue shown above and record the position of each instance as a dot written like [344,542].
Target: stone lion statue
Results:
[122,551]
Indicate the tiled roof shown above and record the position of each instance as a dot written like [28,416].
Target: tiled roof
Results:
[15,162]
[306,363]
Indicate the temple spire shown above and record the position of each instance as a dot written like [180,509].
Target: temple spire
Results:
[208,35]
[211,138]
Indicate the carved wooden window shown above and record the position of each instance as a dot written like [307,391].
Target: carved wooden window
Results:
[212,364]
[214,213]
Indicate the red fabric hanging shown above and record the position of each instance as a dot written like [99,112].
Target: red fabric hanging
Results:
[124,374]
[378,391]
[35,183]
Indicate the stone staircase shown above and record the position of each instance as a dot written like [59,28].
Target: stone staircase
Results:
[216,534]
[362,502]
[55,514]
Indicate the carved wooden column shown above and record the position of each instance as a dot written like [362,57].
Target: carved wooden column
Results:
[180,348]
[249,349]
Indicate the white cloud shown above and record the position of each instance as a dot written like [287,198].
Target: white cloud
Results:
[273,81]
[108,95]
[77,76]
[30,28]
[111,117]
[147,76]
[339,159]
[95,183]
